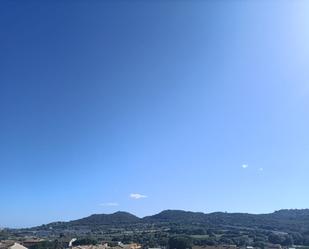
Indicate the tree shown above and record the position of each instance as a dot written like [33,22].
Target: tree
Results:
[85,241]
[288,241]
[259,244]
[275,238]
[180,242]
[297,238]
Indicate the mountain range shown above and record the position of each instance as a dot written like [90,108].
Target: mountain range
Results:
[296,220]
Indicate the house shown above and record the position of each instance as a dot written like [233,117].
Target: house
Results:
[11,245]
[31,242]
[17,246]
[126,246]
[90,247]
[105,246]
[274,246]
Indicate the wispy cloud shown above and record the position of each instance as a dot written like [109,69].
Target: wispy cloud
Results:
[137,196]
[109,204]
[244,166]
[261,169]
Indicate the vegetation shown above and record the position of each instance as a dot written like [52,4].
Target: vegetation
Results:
[85,241]
[55,244]
[180,242]
[182,229]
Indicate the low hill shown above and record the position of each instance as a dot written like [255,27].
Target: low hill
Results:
[107,219]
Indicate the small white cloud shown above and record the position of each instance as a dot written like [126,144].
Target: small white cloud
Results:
[261,169]
[137,196]
[109,204]
[244,166]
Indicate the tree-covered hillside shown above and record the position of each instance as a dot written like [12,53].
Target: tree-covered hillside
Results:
[285,227]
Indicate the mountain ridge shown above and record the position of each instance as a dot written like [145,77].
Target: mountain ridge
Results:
[182,216]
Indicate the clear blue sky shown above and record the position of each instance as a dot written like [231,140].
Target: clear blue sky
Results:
[195,105]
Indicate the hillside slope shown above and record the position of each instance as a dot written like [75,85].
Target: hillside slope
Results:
[283,220]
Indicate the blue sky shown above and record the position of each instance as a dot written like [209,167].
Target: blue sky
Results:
[149,105]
